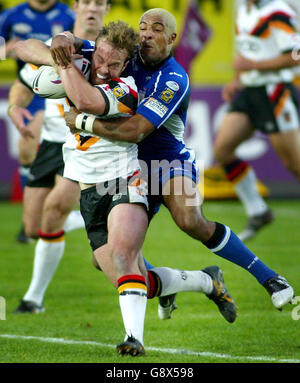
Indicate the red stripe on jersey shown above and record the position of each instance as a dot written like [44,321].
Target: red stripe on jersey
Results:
[274,96]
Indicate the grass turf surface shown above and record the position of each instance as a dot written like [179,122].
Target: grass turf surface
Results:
[82,306]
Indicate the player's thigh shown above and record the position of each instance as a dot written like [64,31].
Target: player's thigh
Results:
[235,128]
[64,196]
[287,146]
[127,226]
[33,202]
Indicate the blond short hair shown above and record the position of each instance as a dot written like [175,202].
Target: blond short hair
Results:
[120,35]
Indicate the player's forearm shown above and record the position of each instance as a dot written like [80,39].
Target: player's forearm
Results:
[285,60]
[19,95]
[84,96]
[129,130]
[33,51]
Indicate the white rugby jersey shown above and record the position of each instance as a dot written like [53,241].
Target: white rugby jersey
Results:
[263,33]
[54,127]
[90,159]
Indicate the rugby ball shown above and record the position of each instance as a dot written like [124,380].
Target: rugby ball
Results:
[47,82]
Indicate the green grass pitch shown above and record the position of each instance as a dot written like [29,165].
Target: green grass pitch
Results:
[82,322]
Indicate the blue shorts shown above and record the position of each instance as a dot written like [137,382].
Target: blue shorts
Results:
[159,172]
[37,103]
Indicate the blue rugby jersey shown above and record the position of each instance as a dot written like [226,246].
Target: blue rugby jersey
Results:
[164,94]
[164,97]
[25,22]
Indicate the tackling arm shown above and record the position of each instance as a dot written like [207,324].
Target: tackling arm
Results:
[133,129]
[34,51]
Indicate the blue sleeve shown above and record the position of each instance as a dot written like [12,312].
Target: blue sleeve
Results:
[88,45]
[5,25]
[168,92]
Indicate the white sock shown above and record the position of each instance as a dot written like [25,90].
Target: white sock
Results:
[74,221]
[247,192]
[175,281]
[133,302]
[46,260]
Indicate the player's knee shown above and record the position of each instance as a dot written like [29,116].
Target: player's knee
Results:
[56,209]
[186,222]
[123,256]
[221,154]
[195,226]
[95,263]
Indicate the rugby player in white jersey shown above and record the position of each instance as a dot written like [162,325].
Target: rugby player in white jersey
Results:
[262,98]
[49,198]
[90,161]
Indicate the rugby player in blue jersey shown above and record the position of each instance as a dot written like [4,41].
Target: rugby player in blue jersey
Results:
[39,19]
[158,127]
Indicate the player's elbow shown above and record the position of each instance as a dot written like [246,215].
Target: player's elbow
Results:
[134,136]
[86,102]
[139,136]
[85,105]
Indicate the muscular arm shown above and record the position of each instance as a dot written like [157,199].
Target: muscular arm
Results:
[19,98]
[84,96]
[133,129]
[20,95]
[284,60]
[34,51]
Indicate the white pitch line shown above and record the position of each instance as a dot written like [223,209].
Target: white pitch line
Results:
[164,350]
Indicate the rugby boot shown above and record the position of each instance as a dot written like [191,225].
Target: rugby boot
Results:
[28,307]
[131,346]
[166,305]
[281,292]
[255,224]
[220,295]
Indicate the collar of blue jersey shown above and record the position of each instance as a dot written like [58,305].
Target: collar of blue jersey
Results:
[155,67]
[46,10]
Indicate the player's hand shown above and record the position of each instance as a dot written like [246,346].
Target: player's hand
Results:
[62,49]
[241,64]
[230,90]
[9,48]
[18,116]
[70,118]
